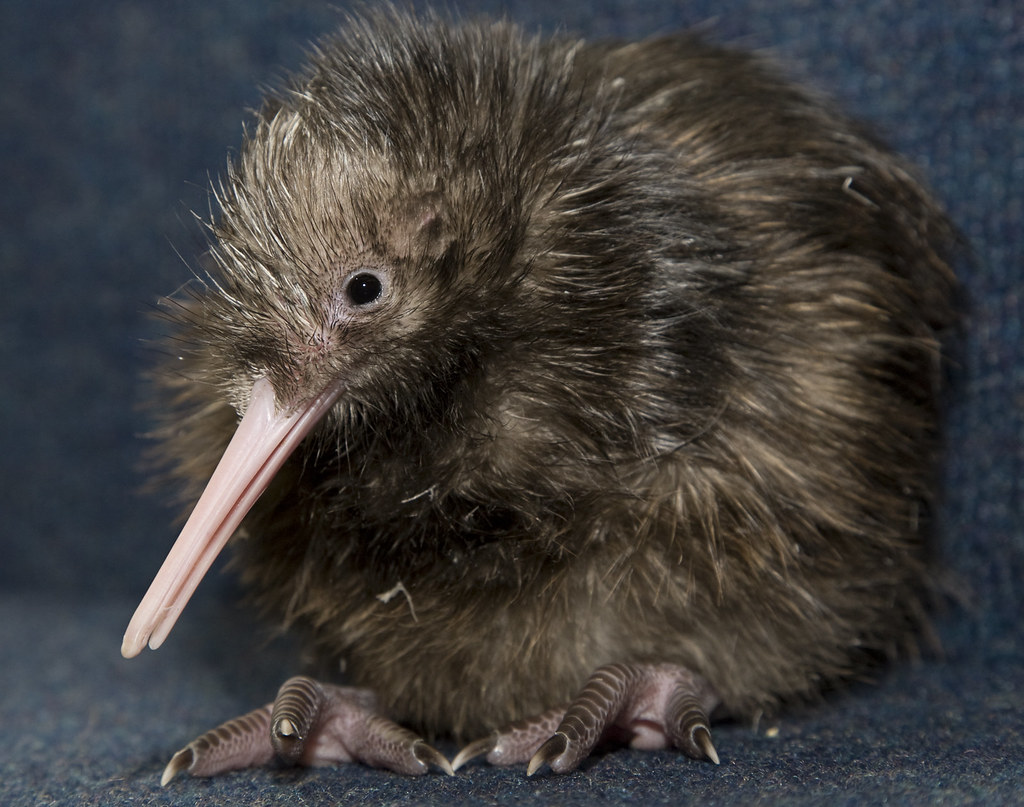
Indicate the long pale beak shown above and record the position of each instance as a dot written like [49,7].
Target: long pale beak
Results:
[264,440]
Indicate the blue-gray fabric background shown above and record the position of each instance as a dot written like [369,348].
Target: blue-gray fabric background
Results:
[113,117]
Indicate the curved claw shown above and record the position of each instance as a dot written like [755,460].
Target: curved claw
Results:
[702,737]
[687,723]
[181,761]
[475,749]
[549,753]
[428,755]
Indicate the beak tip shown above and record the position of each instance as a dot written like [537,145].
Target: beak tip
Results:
[132,643]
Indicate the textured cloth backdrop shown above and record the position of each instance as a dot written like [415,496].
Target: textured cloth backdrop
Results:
[114,117]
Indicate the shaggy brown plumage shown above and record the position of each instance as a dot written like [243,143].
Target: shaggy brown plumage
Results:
[639,365]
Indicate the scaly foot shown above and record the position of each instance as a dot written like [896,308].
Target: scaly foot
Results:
[648,705]
[309,723]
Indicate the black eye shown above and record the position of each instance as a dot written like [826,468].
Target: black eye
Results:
[363,289]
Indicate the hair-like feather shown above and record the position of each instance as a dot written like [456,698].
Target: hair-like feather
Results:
[656,381]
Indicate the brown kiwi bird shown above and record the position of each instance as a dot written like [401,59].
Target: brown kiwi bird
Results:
[584,390]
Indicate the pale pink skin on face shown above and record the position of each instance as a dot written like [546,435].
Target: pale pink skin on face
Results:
[266,436]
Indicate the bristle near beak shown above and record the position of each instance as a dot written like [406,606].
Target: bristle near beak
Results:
[265,437]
